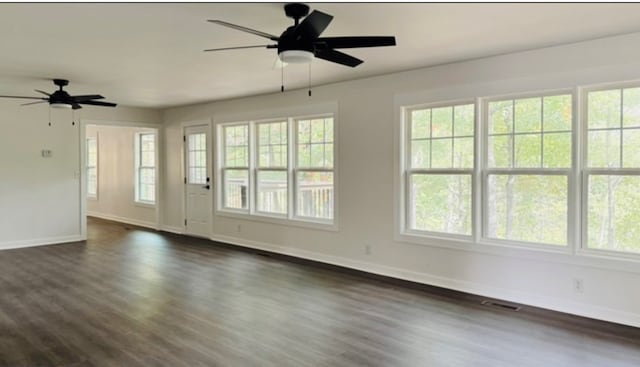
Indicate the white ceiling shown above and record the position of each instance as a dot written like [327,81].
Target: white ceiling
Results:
[150,55]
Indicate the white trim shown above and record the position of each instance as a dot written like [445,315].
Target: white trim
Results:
[171,229]
[39,242]
[115,218]
[531,299]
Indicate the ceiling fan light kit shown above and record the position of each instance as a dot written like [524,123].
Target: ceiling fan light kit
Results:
[296,56]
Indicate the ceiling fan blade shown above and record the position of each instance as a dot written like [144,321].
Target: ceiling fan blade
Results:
[313,25]
[45,99]
[240,47]
[244,29]
[355,42]
[30,103]
[338,57]
[43,92]
[98,103]
[86,97]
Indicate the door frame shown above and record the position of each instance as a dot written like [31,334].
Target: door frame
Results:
[82,137]
[210,156]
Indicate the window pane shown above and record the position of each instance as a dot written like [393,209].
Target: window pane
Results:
[631,108]
[604,149]
[236,146]
[272,192]
[420,154]
[236,188]
[631,148]
[463,153]
[528,113]
[315,143]
[92,181]
[557,113]
[528,150]
[500,117]
[315,195]
[420,124]
[442,122]
[197,158]
[441,153]
[614,213]
[557,150]
[604,109]
[272,144]
[500,151]
[529,208]
[463,120]
[440,203]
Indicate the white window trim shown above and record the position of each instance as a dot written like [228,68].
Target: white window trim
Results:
[93,197]
[290,219]
[137,159]
[585,171]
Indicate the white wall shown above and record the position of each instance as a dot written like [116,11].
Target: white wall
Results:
[367,116]
[40,197]
[116,176]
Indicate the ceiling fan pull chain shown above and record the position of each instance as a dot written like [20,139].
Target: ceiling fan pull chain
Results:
[49,115]
[282,78]
[309,79]
[73,118]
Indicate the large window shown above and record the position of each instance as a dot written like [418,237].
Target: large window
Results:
[92,167]
[612,169]
[440,162]
[528,166]
[279,168]
[146,168]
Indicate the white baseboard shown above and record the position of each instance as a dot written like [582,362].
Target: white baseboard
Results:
[171,229]
[546,302]
[39,242]
[115,218]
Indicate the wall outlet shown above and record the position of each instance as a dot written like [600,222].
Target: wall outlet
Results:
[578,285]
[46,153]
[367,249]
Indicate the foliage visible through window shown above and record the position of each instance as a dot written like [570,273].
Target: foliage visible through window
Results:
[92,167]
[533,134]
[236,166]
[146,168]
[314,170]
[271,173]
[440,167]
[613,168]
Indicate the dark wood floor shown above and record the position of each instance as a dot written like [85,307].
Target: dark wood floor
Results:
[132,297]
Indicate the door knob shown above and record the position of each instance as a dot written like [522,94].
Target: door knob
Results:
[206,187]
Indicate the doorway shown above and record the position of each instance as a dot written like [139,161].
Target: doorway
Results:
[197,180]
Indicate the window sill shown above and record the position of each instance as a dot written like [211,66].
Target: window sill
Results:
[279,220]
[92,198]
[143,204]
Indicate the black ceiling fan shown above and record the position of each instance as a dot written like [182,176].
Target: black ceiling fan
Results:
[300,42]
[62,99]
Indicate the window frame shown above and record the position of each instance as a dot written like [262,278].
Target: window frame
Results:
[408,172]
[570,173]
[251,213]
[223,168]
[586,171]
[91,196]
[139,167]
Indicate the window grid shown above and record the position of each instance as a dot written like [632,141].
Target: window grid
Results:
[235,167]
[610,194]
[145,175]
[305,168]
[522,180]
[430,183]
[197,158]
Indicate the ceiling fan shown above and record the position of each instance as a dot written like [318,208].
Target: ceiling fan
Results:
[62,99]
[301,42]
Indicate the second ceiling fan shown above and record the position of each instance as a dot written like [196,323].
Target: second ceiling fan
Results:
[301,42]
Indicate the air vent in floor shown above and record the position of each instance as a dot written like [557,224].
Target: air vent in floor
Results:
[503,306]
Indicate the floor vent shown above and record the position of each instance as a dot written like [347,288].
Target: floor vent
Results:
[503,306]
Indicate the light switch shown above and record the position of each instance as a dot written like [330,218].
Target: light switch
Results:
[47,153]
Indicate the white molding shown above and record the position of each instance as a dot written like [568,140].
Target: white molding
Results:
[115,218]
[39,242]
[531,299]
[172,229]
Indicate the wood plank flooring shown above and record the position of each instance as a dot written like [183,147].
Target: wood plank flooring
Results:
[132,297]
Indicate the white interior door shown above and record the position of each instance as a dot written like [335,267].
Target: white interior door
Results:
[198,182]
